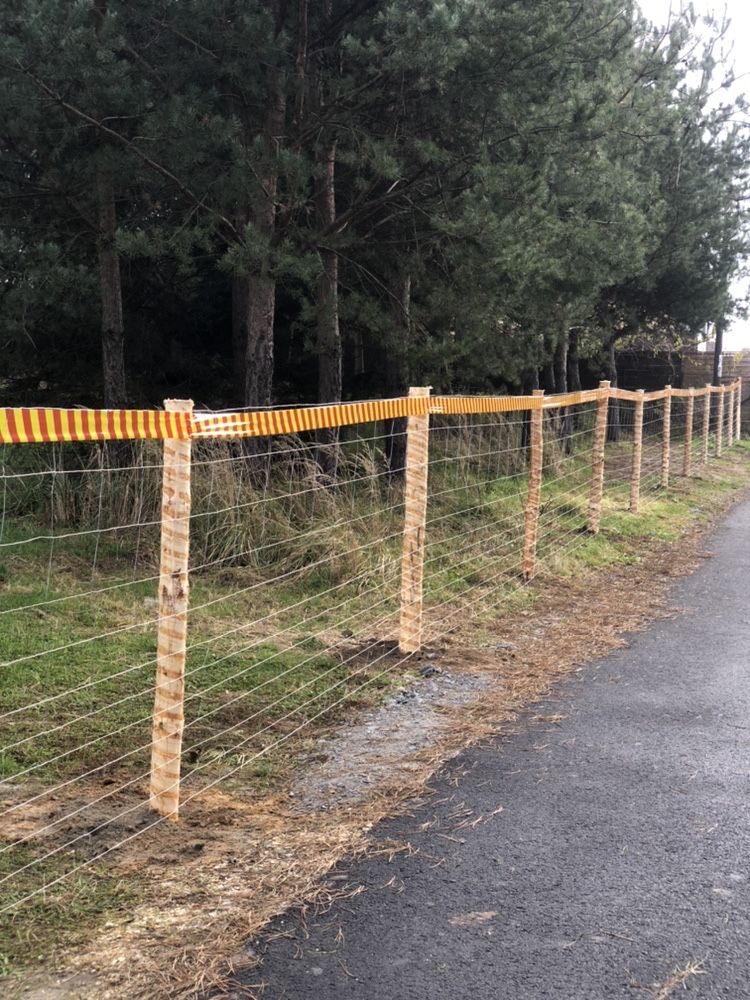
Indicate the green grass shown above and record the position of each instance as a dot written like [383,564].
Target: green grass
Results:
[65,915]
[266,655]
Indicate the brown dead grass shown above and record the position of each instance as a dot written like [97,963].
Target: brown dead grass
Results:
[676,979]
[231,865]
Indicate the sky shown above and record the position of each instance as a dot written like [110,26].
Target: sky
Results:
[738,58]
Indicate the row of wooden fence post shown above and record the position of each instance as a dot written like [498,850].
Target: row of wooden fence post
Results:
[168,716]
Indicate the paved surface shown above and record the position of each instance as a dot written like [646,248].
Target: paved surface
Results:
[621,853]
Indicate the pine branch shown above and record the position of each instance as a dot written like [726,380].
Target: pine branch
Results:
[126,143]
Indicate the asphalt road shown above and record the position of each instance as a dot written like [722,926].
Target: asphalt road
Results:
[622,851]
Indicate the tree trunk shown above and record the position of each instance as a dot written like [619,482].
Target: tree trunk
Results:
[240,306]
[110,279]
[112,327]
[261,305]
[561,365]
[548,374]
[548,378]
[574,367]
[240,302]
[397,375]
[561,386]
[254,295]
[718,349]
[328,332]
[253,303]
[530,383]
[613,412]
[713,400]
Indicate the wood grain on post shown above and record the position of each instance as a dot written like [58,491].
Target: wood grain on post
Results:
[531,522]
[597,459]
[635,468]
[738,413]
[706,424]
[729,407]
[720,422]
[415,513]
[169,719]
[666,435]
[687,455]
[729,415]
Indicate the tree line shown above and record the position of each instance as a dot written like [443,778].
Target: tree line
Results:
[259,201]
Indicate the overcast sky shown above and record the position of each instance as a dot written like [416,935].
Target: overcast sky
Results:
[738,56]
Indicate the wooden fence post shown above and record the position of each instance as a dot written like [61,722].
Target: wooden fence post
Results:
[666,434]
[730,416]
[706,424]
[738,412]
[415,514]
[169,719]
[720,422]
[597,459]
[687,455]
[531,522]
[635,469]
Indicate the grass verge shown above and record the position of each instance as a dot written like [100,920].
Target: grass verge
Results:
[259,694]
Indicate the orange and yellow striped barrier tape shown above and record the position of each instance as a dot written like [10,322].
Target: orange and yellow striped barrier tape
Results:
[267,423]
[27,425]
[296,420]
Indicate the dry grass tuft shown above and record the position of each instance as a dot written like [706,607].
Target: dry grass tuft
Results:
[678,978]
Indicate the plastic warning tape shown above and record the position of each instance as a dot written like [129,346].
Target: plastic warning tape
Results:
[29,425]
[267,423]
[484,404]
[629,395]
[573,398]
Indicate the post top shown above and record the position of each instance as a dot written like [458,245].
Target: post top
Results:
[179,405]
[604,383]
[537,392]
[420,390]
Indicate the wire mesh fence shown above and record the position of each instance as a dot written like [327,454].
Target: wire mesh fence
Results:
[179,610]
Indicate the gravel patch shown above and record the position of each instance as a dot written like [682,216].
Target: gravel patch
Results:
[381,745]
